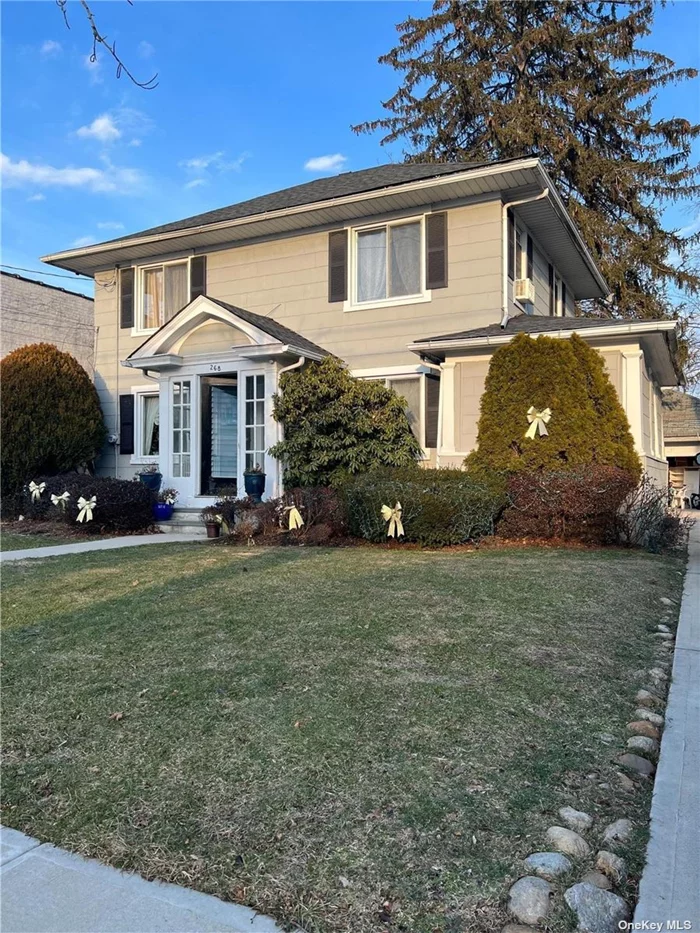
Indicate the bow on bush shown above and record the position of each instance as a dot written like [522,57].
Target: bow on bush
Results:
[393,516]
[61,501]
[295,519]
[538,420]
[36,490]
[86,506]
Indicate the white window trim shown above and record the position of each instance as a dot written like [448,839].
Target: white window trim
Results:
[138,330]
[138,457]
[390,373]
[352,304]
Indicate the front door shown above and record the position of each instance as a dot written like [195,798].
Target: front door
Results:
[219,435]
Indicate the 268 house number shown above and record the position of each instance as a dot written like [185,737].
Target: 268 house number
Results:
[214,367]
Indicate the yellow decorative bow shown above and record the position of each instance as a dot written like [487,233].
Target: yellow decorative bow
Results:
[36,491]
[538,420]
[61,501]
[86,506]
[295,519]
[393,516]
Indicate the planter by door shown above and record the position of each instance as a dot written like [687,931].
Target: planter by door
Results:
[254,485]
[162,511]
[213,529]
[151,481]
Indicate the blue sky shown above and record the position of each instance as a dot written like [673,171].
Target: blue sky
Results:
[250,97]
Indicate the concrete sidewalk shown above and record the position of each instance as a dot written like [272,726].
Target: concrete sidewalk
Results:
[670,885]
[47,890]
[107,544]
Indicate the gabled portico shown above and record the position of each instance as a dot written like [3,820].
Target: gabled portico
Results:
[217,367]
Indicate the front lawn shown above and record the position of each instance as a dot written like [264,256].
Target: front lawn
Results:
[355,740]
[11,541]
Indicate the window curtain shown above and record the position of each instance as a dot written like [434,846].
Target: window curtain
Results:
[371,265]
[404,257]
[152,298]
[410,389]
[151,405]
[176,292]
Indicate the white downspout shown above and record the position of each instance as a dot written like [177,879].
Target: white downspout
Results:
[504,257]
[280,430]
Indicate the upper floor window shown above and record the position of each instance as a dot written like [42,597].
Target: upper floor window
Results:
[389,263]
[163,290]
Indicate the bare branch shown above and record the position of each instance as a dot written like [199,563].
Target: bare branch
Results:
[99,39]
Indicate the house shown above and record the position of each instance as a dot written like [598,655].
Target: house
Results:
[681,413]
[411,273]
[33,312]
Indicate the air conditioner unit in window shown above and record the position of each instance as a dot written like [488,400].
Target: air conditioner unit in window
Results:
[524,291]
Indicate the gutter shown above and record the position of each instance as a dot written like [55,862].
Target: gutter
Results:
[505,206]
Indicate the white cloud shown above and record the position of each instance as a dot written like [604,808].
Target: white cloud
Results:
[690,229]
[94,68]
[102,128]
[110,179]
[146,50]
[37,197]
[196,183]
[110,225]
[83,241]
[135,142]
[50,48]
[205,166]
[326,163]
[200,163]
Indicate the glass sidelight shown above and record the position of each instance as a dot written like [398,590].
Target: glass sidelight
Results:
[182,427]
[254,421]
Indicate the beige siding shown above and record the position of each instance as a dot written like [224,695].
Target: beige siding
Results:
[469,387]
[613,364]
[212,338]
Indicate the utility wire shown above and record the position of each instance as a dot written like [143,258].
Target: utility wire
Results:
[55,275]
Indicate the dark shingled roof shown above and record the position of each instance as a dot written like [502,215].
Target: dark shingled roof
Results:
[273,328]
[529,324]
[681,414]
[323,189]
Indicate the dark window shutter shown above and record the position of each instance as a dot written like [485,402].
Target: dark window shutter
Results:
[530,258]
[436,251]
[198,276]
[126,297]
[563,300]
[126,424]
[338,265]
[432,407]
[511,245]
[552,308]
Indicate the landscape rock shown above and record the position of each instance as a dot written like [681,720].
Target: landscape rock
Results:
[663,636]
[597,911]
[656,719]
[663,628]
[617,832]
[643,745]
[575,819]
[568,842]
[648,699]
[625,782]
[642,727]
[530,899]
[611,865]
[666,601]
[598,879]
[548,865]
[658,676]
[640,765]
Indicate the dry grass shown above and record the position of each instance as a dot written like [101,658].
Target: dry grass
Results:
[346,739]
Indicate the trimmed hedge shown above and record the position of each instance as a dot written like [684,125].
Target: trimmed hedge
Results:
[51,416]
[122,505]
[581,504]
[440,507]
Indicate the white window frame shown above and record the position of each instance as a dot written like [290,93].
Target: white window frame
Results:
[138,330]
[352,304]
[139,393]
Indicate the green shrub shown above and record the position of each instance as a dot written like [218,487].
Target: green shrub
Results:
[335,424]
[51,419]
[588,424]
[122,505]
[440,507]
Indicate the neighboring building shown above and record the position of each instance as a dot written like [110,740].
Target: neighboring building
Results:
[33,312]
[682,441]
[198,318]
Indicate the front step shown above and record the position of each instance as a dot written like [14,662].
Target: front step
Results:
[184,521]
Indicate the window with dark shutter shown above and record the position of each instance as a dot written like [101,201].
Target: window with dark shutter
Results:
[511,245]
[126,424]
[126,298]
[436,251]
[338,265]
[432,403]
[530,258]
[198,276]
[552,304]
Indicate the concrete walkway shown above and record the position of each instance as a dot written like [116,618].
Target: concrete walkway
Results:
[107,544]
[670,885]
[47,890]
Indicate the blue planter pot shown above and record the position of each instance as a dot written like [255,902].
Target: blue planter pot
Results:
[254,485]
[162,511]
[151,481]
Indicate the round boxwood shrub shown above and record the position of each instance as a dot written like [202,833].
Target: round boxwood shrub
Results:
[51,416]
[335,425]
[588,424]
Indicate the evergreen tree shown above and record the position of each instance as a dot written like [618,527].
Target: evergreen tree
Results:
[570,83]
